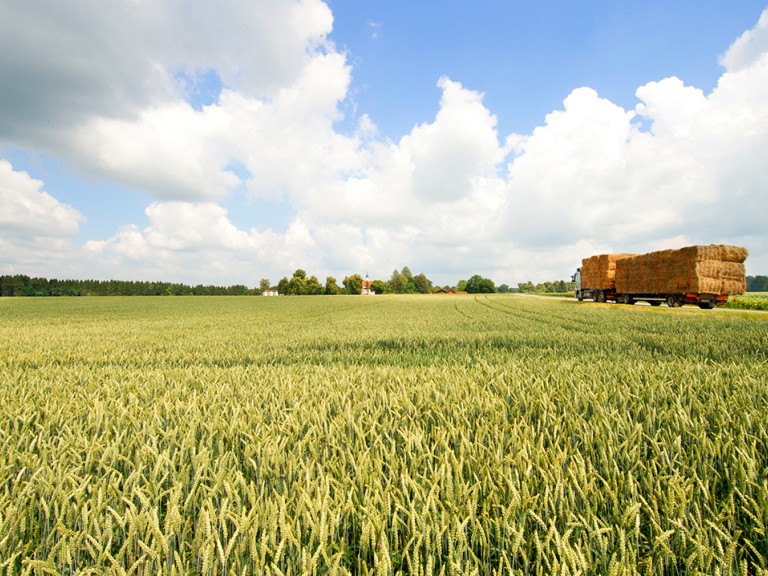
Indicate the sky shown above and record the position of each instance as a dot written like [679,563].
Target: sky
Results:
[222,142]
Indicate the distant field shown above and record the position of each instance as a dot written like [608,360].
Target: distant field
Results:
[555,294]
[749,301]
[380,435]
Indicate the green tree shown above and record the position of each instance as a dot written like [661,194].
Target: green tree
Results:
[398,283]
[410,278]
[757,283]
[264,285]
[473,284]
[479,285]
[313,287]
[487,286]
[282,286]
[379,286]
[526,287]
[353,284]
[297,285]
[331,287]
[421,284]
[461,286]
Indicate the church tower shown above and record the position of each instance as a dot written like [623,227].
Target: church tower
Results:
[367,289]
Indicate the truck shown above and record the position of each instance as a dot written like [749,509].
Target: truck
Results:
[705,275]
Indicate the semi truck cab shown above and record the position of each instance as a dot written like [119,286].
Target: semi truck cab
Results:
[595,294]
[576,278]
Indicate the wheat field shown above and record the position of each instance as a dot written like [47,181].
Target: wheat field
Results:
[390,435]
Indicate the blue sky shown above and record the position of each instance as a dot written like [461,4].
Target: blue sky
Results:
[224,143]
[527,56]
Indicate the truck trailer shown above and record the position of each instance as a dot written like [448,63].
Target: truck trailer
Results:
[702,275]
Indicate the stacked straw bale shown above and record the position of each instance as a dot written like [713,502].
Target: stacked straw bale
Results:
[715,269]
[599,272]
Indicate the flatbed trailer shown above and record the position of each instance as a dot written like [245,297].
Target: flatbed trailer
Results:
[704,301]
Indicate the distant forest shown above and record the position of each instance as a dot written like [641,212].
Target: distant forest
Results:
[757,283]
[20,285]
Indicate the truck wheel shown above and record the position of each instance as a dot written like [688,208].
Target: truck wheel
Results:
[579,296]
[655,303]
[673,302]
[708,305]
[599,296]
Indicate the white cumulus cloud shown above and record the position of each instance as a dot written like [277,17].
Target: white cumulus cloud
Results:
[27,210]
[36,230]
[751,46]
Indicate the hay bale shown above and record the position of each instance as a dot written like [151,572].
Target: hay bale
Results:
[717,252]
[713,269]
[599,272]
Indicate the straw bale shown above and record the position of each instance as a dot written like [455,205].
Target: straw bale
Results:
[713,269]
[599,272]
[721,252]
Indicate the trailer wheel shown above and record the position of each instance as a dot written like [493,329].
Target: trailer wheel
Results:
[673,302]
[654,303]
[600,296]
[708,305]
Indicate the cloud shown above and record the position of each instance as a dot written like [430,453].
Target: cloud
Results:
[186,242]
[29,212]
[670,106]
[83,63]
[175,152]
[569,177]
[374,28]
[36,230]
[178,226]
[434,179]
[748,48]
[592,172]
[195,243]
[459,145]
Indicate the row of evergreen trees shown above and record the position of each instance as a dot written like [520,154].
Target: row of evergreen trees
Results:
[757,283]
[21,285]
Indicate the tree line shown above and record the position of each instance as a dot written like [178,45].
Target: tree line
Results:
[401,282]
[556,287]
[300,284]
[21,285]
[757,283]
